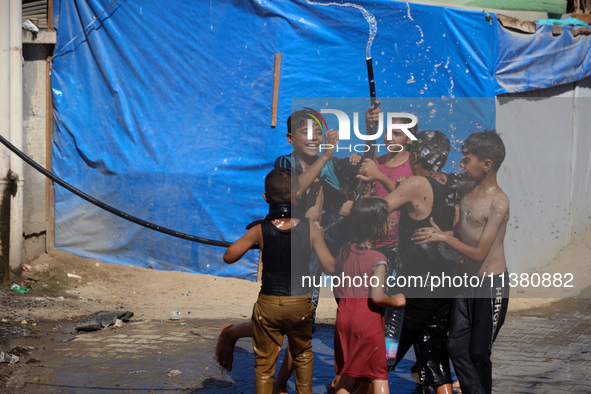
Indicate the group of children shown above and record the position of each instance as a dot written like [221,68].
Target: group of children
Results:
[399,230]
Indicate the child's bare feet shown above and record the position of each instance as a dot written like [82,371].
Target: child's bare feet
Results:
[224,349]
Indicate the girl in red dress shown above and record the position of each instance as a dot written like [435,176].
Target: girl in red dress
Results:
[360,349]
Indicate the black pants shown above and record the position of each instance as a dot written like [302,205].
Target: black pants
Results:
[425,327]
[476,318]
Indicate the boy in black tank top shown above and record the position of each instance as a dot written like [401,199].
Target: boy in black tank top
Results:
[426,194]
[284,306]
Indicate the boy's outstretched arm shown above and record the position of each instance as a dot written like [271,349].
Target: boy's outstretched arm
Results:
[235,251]
[499,211]
[369,172]
[327,260]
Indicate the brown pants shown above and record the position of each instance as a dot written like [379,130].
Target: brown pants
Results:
[274,317]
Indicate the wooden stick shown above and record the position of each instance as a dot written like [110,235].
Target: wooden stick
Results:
[50,15]
[275,89]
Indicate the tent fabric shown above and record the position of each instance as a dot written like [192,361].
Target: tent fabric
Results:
[528,62]
[162,109]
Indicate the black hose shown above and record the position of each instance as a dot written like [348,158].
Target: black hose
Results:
[109,208]
[371,152]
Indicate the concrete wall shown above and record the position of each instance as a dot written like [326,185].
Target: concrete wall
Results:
[581,185]
[34,145]
[546,171]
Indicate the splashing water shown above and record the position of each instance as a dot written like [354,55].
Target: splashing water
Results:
[408,12]
[371,20]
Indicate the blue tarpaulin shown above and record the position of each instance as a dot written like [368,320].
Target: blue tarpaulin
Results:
[528,62]
[163,109]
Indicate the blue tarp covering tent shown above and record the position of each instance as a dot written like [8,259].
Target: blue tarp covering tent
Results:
[163,109]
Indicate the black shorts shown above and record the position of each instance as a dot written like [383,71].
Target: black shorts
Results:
[425,325]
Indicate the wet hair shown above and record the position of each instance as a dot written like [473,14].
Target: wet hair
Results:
[367,221]
[279,185]
[486,145]
[432,148]
[298,119]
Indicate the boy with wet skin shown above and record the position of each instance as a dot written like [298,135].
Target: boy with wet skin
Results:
[418,198]
[478,314]
[321,177]
[386,172]
[319,198]
[284,306]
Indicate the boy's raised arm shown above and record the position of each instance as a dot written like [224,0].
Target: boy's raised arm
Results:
[327,260]
[498,213]
[243,244]
[369,172]
[311,173]
[404,193]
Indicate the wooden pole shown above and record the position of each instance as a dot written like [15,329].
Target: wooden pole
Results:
[275,89]
[50,15]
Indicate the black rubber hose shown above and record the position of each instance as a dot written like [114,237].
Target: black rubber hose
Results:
[371,152]
[109,208]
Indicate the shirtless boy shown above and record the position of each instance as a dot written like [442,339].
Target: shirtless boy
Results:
[478,314]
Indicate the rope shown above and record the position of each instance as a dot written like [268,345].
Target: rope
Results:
[84,29]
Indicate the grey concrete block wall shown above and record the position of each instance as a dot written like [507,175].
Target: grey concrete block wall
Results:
[34,145]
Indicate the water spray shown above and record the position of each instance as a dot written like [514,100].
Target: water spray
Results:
[373,29]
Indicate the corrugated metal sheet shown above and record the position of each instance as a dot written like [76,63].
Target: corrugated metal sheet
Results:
[36,9]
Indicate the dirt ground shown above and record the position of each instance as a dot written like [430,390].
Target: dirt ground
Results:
[65,288]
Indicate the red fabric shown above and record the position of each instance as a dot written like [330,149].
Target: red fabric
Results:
[360,349]
[393,173]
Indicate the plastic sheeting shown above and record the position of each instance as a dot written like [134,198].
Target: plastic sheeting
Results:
[163,109]
[536,61]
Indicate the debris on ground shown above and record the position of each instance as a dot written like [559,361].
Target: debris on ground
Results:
[103,319]
[19,289]
[174,372]
[8,358]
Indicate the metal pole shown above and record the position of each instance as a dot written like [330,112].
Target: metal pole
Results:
[5,131]
[16,133]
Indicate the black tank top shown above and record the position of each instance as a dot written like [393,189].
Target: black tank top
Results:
[423,259]
[286,255]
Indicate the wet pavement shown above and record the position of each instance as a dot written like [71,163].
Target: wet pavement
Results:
[537,351]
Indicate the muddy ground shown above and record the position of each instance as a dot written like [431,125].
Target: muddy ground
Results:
[147,353]
[39,327]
